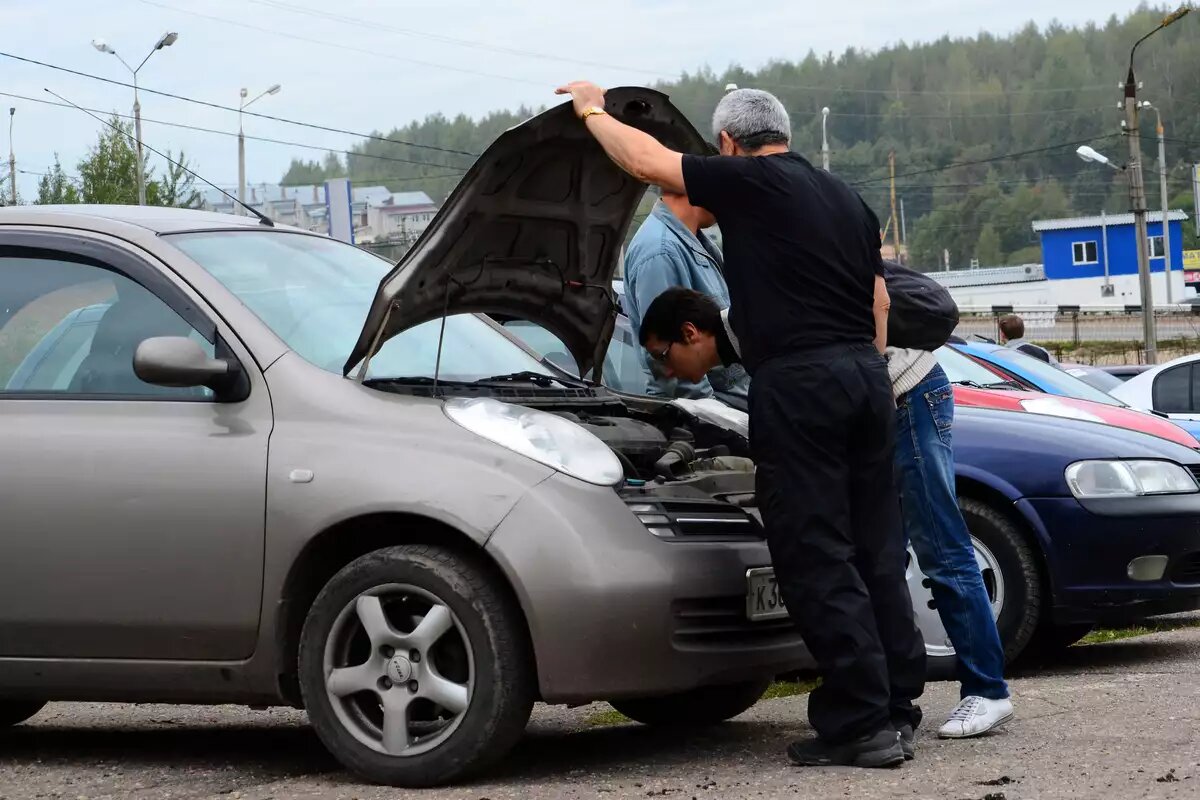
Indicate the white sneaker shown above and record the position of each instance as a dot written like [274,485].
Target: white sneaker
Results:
[975,716]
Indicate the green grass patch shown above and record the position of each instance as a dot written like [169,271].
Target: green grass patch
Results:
[790,689]
[1104,635]
[607,718]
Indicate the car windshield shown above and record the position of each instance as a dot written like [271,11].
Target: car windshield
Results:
[314,293]
[1094,377]
[964,369]
[1048,377]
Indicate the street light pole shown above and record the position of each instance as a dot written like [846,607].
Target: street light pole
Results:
[12,158]
[1162,189]
[824,138]
[169,38]
[242,144]
[1137,200]
[1137,191]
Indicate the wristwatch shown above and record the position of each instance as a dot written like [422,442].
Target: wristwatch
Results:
[587,112]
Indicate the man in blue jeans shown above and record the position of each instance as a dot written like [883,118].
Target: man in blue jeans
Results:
[935,527]
[688,334]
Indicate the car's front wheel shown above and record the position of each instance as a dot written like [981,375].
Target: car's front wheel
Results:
[1010,576]
[415,668]
[14,712]
[708,705]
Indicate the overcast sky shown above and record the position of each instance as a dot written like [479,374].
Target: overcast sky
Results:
[370,65]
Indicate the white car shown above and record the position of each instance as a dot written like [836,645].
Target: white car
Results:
[1169,389]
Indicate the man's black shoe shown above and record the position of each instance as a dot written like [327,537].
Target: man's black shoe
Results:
[908,741]
[877,750]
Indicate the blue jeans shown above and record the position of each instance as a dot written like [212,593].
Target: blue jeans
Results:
[935,527]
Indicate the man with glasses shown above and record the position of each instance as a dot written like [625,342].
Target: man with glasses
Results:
[804,269]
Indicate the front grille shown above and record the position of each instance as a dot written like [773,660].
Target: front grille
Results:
[720,622]
[1187,569]
[1195,470]
[696,520]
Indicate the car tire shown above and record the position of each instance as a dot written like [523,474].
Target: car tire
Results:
[410,706]
[14,712]
[1020,612]
[708,705]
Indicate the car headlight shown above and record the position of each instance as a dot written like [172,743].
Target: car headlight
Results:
[1056,408]
[556,442]
[1095,479]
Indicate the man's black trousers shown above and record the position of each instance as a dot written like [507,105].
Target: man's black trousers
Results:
[822,431]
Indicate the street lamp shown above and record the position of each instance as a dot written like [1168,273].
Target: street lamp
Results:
[1137,189]
[1162,189]
[242,142]
[12,158]
[825,138]
[166,40]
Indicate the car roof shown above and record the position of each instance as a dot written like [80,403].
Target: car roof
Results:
[106,218]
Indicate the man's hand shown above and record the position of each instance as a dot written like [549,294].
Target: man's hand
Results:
[584,95]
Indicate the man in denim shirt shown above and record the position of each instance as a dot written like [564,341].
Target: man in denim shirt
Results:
[670,249]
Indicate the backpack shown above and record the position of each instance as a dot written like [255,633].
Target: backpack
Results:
[923,315]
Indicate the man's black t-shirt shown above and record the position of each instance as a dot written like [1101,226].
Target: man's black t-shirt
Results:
[801,251]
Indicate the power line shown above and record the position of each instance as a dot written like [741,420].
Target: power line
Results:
[351,48]
[376,26]
[905,115]
[259,115]
[268,140]
[1003,157]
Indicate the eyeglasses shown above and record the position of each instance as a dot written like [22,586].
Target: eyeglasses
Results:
[661,357]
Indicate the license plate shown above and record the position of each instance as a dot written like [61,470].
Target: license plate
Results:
[762,596]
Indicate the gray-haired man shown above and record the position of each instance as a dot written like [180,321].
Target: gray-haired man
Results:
[803,265]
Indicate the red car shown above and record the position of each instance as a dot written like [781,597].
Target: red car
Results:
[977,384]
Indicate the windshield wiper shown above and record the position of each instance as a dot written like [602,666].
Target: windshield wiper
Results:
[969,384]
[528,376]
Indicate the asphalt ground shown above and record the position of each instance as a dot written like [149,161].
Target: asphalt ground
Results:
[1111,720]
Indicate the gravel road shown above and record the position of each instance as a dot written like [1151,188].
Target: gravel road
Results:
[1110,720]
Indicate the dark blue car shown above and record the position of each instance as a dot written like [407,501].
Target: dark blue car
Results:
[1075,524]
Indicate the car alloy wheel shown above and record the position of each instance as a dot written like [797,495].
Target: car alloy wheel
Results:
[415,666]
[929,621]
[399,670]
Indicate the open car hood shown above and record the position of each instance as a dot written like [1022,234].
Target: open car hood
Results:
[533,231]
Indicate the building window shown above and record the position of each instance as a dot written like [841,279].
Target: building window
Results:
[1084,253]
[1156,247]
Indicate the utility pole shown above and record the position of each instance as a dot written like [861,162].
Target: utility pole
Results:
[824,138]
[1137,200]
[903,225]
[12,159]
[895,219]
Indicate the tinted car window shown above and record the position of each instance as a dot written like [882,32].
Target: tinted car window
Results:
[71,327]
[1172,392]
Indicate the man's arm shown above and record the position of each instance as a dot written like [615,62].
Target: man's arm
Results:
[636,152]
[882,303]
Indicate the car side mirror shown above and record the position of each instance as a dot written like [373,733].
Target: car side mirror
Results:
[180,362]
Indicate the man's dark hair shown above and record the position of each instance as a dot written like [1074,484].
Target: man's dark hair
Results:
[665,317]
[1012,326]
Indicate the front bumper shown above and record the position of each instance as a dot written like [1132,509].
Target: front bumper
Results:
[1091,546]
[616,612]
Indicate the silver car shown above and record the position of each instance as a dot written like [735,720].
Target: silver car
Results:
[244,463]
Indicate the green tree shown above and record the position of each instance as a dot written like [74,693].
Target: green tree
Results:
[55,188]
[108,174]
[987,248]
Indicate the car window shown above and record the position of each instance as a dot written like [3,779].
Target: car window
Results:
[1094,377]
[70,327]
[964,369]
[622,372]
[1173,390]
[314,293]
[1049,377]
